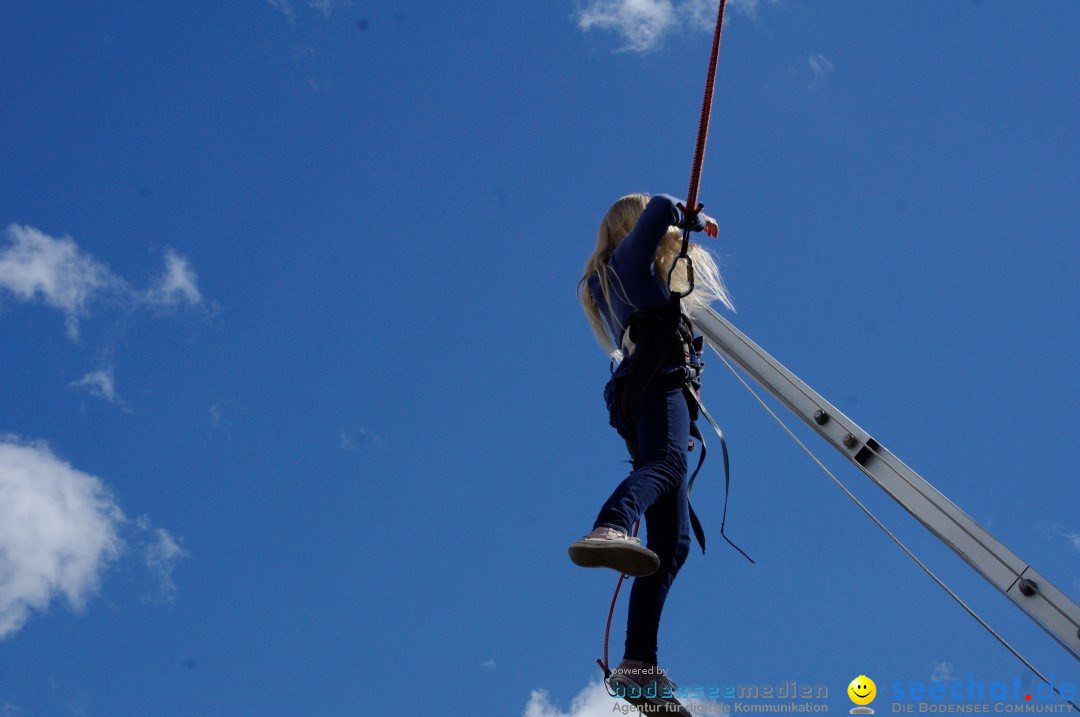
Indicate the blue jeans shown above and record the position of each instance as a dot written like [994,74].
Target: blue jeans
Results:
[656,487]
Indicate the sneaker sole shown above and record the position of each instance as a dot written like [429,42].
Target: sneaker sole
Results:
[633,560]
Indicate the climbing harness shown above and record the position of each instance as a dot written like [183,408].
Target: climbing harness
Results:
[660,348]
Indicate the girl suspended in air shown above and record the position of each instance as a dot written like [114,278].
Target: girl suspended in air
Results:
[625,294]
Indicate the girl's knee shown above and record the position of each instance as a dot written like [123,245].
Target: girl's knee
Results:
[672,554]
[681,552]
[669,465]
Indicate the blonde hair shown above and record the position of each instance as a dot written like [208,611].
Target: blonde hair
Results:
[617,223]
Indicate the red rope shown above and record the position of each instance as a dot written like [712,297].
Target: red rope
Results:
[706,110]
[604,665]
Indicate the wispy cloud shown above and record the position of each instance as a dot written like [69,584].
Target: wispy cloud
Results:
[1071,536]
[55,271]
[643,24]
[179,284]
[640,23]
[746,7]
[160,554]
[820,67]
[58,531]
[221,414]
[943,672]
[100,383]
[353,437]
[284,6]
[325,7]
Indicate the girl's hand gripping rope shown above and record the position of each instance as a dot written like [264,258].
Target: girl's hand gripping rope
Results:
[698,221]
[711,227]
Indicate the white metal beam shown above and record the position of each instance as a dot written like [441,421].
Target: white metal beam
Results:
[1029,590]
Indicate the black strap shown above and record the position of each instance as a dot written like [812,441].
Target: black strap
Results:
[695,522]
[695,432]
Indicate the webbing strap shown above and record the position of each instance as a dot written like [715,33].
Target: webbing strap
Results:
[695,432]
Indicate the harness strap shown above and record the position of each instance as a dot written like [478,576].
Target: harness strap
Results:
[695,432]
[695,522]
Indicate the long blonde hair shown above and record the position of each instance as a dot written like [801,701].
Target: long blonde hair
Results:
[617,223]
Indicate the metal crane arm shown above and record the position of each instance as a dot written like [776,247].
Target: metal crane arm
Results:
[1030,591]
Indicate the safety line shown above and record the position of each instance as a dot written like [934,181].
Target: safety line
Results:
[604,665]
[706,111]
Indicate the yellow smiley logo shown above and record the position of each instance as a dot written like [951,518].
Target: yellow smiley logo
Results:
[862,690]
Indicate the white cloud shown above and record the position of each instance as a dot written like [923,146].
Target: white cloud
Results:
[35,265]
[54,270]
[700,13]
[821,67]
[351,438]
[643,24]
[177,286]
[746,7]
[223,417]
[943,672]
[161,555]
[488,664]
[217,415]
[323,6]
[284,6]
[58,531]
[1072,537]
[100,383]
[593,701]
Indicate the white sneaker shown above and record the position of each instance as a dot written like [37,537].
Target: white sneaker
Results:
[646,687]
[611,548]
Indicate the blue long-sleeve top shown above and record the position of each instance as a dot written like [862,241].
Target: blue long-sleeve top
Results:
[632,262]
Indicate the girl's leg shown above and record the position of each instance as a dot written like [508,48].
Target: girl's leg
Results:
[667,522]
[663,432]
[663,435]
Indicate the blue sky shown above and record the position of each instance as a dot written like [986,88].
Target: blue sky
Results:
[300,412]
